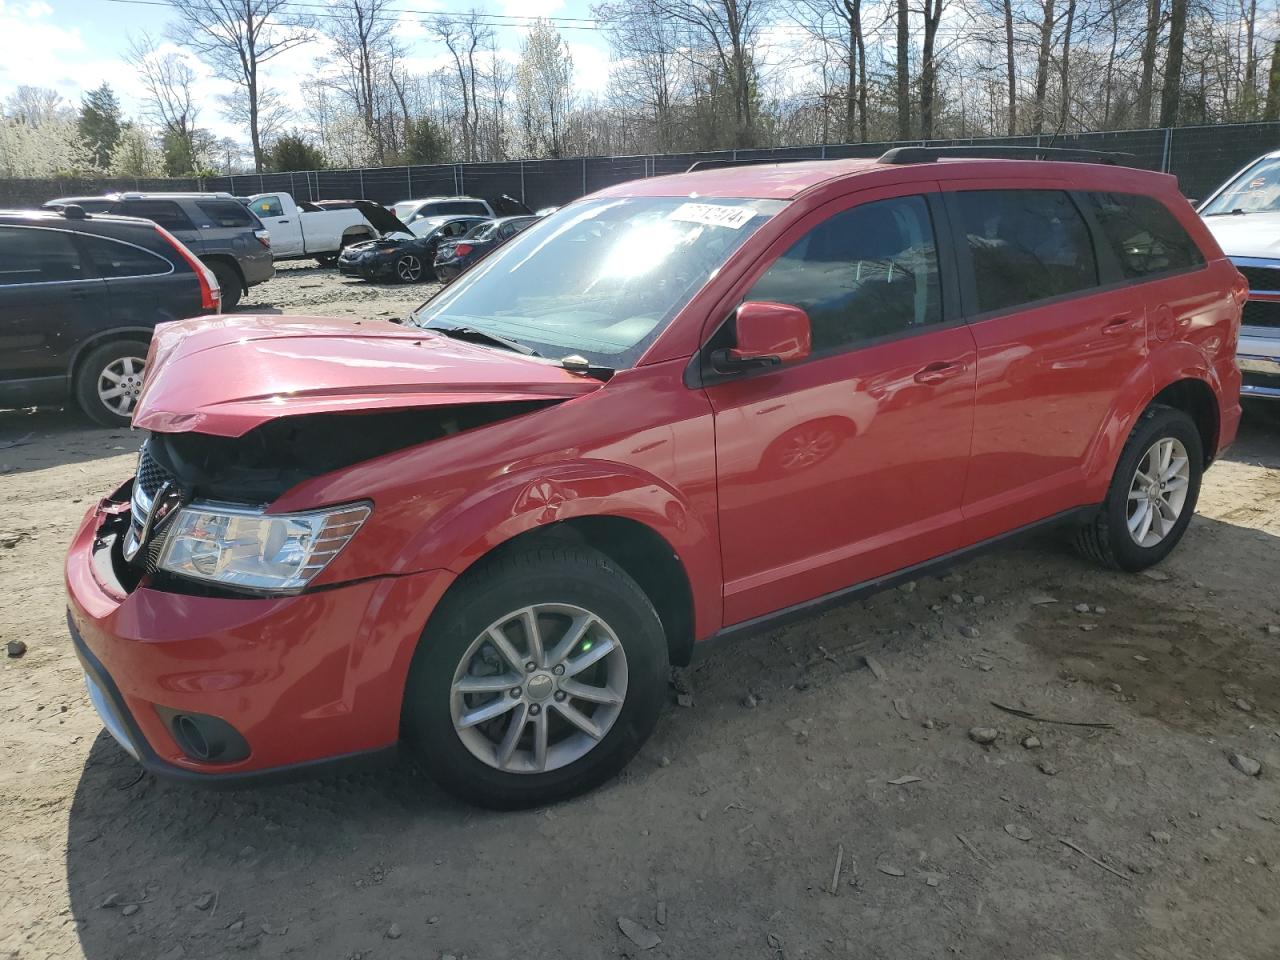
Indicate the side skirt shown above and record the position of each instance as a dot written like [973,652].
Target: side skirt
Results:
[809,608]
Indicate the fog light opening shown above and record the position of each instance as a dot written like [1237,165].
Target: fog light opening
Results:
[190,738]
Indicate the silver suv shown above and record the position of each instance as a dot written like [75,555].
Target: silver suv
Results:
[215,226]
[1244,217]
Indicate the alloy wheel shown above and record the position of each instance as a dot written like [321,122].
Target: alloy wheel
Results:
[409,268]
[1158,491]
[539,688]
[120,383]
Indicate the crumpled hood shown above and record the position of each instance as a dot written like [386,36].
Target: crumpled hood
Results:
[1247,235]
[226,375]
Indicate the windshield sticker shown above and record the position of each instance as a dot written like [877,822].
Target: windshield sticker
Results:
[713,215]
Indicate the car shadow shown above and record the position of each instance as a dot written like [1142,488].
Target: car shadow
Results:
[33,440]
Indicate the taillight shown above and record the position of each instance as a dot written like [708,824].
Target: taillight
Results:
[210,291]
[264,237]
[462,249]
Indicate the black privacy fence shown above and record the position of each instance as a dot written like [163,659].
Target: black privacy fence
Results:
[1200,157]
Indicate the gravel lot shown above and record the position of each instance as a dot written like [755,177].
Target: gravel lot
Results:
[843,739]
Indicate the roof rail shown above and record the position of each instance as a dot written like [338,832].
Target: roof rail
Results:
[745,162]
[902,155]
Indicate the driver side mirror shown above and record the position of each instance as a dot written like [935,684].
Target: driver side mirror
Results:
[768,334]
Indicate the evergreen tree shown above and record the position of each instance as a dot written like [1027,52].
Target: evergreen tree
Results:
[99,124]
[293,152]
[425,141]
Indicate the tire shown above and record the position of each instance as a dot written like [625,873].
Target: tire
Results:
[1108,538]
[124,360]
[567,578]
[230,283]
[328,259]
[409,268]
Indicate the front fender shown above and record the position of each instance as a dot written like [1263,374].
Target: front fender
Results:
[539,496]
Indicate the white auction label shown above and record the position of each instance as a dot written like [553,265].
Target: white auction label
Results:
[713,215]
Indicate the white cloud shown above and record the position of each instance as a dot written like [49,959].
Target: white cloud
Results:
[530,8]
[590,67]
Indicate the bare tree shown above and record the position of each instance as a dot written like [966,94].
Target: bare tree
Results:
[903,72]
[1172,92]
[544,83]
[236,37]
[364,55]
[929,65]
[168,81]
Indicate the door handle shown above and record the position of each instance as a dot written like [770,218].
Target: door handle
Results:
[284,221]
[939,372]
[1118,325]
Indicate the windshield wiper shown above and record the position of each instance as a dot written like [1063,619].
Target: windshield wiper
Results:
[1237,212]
[476,335]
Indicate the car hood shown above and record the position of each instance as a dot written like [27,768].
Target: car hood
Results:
[226,375]
[1247,235]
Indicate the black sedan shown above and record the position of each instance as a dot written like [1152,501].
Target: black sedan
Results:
[455,256]
[405,255]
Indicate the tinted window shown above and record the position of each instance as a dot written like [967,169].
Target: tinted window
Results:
[1146,237]
[455,206]
[1026,245]
[485,231]
[114,259]
[164,212]
[864,273]
[226,213]
[29,255]
[267,207]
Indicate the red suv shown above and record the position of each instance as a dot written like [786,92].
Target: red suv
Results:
[680,408]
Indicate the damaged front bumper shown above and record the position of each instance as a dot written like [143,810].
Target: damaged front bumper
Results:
[306,682]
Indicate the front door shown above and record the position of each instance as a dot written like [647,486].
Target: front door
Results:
[851,464]
[286,231]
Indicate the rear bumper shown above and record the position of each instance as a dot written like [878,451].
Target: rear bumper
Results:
[309,681]
[257,267]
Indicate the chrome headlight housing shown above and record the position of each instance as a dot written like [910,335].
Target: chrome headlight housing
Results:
[250,549]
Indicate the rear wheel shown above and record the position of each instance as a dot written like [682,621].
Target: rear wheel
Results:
[540,676]
[409,268]
[1152,494]
[230,283]
[109,380]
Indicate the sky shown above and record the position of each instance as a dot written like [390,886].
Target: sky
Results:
[73,46]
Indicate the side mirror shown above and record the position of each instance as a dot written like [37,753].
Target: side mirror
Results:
[768,334]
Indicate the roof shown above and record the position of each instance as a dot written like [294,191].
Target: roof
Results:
[52,218]
[786,181]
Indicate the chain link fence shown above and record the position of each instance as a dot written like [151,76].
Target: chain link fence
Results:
[1200,157]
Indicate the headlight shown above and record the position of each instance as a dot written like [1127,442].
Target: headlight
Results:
[244,547]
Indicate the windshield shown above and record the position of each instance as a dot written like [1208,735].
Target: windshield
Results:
[483,231]
[405,209]
[601,278]
[1254,191]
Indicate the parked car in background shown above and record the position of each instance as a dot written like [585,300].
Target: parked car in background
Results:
[315,230]
[454,256]
[406,255]
[1244,216]
[218,229]
[409,211]
[493,531]
[79,297]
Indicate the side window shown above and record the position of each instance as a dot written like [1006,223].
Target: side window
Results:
[30,255]
[226,213]
[864,273]
[267,207]
[1146,237]
[166,213]
[1025,245]
[114,259]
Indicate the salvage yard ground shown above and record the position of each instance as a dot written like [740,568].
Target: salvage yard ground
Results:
[821,795]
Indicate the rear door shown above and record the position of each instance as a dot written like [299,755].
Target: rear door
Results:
[849,465]
[1054,344]
[50,300]
[146,287]
[286,230]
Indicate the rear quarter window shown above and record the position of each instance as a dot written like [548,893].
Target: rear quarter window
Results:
[1147,238]
[166,213]
[226,213]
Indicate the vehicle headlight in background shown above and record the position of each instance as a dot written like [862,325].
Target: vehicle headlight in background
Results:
[248,548]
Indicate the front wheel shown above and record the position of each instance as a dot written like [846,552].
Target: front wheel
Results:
[409,268]
[538,678]
[1152,496]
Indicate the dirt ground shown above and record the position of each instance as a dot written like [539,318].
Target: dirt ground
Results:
[1137,839]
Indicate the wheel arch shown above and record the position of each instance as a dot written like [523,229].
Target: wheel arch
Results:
[137,334]
[227,260]
[1194,397]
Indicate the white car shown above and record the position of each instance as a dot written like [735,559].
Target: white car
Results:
[409,212]
[313,230]
[1244,217]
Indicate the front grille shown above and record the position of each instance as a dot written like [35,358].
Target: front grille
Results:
[1261,278]
[150,479]
[151,476]
[1261,313]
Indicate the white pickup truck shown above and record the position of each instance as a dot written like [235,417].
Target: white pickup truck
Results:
[314,230]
